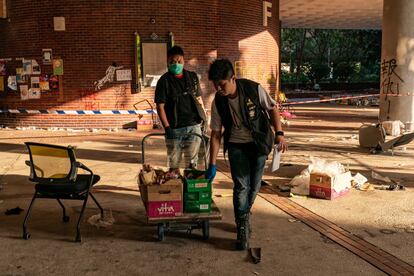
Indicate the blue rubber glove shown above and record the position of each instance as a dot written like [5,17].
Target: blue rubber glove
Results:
[211,172]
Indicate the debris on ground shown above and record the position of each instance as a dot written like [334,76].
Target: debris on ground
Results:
[322,179]
[358,181]
[377,176]
[104,222]
[292,220]
[14,211]
[224,195]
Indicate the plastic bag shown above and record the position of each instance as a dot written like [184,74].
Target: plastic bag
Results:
[103,222]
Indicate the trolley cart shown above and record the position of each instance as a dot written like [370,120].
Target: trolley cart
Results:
[187,221]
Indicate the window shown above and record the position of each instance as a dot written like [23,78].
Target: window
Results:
[154,62]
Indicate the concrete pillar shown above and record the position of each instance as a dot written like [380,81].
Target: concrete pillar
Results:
[397,62]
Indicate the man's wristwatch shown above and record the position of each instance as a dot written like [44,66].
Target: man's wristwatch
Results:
[280,133]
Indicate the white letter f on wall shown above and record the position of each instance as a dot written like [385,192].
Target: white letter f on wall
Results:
[266,13]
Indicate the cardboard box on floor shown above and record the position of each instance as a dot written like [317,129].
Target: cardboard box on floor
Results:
[327,187]
[164,200]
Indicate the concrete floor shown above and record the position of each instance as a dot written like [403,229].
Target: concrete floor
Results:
[289,247]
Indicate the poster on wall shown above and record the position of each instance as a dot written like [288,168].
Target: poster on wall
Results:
[35,67]
[2,68]
[1,83]
[34,93]
[54,83]
[44,83]
[58,66]
[34,82]
[27,66]
[20,76]
[12,83]
[47,56]
[24,92]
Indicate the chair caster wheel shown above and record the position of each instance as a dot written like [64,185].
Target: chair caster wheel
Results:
[26,236]
[65,219]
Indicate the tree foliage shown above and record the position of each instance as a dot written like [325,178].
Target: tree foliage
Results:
[331,55]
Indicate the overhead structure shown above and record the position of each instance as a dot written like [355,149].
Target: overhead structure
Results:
[331,14]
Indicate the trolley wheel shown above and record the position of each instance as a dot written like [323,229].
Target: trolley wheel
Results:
[206,229]
[26,236]
[65,219]
[161,232]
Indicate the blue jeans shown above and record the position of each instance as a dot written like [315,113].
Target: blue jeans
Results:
[184,145]
[247,168]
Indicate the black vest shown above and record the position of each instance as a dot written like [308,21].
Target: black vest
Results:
[254,117]
[192,85]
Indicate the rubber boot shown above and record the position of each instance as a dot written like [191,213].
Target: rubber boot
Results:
[242,233]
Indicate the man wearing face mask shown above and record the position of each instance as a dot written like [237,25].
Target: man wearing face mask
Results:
[246,112]
[180,109]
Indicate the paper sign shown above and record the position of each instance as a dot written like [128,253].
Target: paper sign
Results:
[12,83]
[35,67]
[47,56]
[34,93]
[24,92]
[58,66]
[123,75]
[44,83]
[276,159]
[27,66]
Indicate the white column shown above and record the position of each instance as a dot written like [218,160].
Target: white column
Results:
[397,62]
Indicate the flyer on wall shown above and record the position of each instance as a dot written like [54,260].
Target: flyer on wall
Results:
[24,92]
[44,83]
[12,83]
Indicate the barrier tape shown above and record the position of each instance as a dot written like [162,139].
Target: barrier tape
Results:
[332,99]
[78,112]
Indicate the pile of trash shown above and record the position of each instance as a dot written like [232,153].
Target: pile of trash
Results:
[151,176]
[324,179]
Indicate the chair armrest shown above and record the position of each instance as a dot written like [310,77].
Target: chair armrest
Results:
[82,166]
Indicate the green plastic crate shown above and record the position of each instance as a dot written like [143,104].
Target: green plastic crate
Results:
[197,185]
[192,196]
[197,206]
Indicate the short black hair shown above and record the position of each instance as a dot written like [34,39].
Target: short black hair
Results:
[220,69]
[174,51]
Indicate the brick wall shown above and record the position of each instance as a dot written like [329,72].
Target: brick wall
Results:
[99,33]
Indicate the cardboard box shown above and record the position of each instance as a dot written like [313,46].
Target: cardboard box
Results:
[164,200]
[161,209]
[327,187]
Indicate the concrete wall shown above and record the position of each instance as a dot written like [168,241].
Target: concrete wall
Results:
[99,33]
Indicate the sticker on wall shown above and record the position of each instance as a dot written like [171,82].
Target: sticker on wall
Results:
[12,83]
[44,83]
[24,92]
[2,68]
[58,66]
[1,83]
[54,83]
[47,56]
[27,66]
[34,93]
[35,67]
